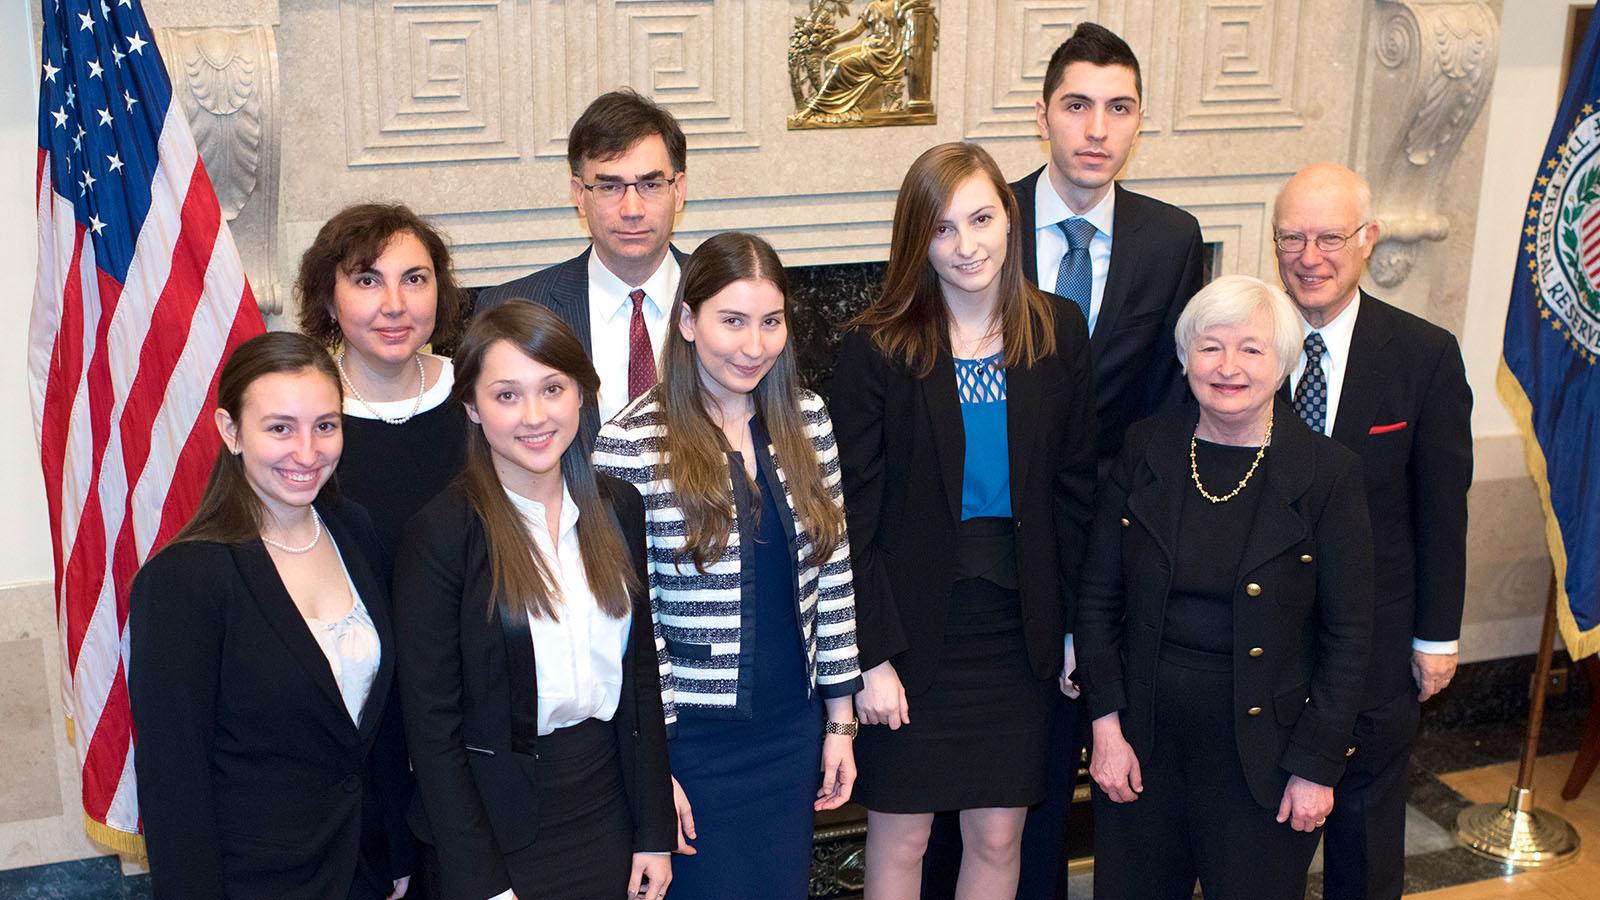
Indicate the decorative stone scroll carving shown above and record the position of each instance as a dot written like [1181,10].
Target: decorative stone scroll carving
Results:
[1437,59]
[226,79]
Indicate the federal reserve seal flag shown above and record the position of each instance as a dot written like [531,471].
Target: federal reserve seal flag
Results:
[1549,377]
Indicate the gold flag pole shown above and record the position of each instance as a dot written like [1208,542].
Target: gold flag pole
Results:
[1516,833]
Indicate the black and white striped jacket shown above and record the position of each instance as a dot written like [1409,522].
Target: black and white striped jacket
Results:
[698,615]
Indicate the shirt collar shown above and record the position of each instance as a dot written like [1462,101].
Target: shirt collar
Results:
[532,511]
[1049,208]
[1337,334]
[608,294]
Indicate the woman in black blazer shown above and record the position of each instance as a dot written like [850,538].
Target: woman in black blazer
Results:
[1225,621]
[528,663]
[269,764]
[964,410]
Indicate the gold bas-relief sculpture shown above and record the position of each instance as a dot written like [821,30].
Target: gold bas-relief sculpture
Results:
[884,78]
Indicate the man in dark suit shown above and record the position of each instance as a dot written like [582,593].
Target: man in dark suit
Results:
[1391,387]
[1129,263]
[629,182]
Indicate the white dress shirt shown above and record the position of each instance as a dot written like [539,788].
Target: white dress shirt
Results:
[1336,339]
[610,314]
[577,660]
[1049,211]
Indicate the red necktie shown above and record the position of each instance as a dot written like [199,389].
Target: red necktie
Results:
[641,362]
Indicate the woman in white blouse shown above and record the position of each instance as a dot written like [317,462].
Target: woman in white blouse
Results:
[270,764]
[527,660]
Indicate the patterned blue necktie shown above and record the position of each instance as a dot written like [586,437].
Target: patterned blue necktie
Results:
[1075,278]
[1311,394]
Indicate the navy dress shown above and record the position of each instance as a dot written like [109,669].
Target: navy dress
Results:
[752,783]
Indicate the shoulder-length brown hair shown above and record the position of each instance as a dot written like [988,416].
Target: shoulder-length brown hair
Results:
[908,321]
[353,240]
[520,574]
[696,449]
[229,510]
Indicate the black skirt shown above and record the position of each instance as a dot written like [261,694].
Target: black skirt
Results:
[978,735]
[584,847]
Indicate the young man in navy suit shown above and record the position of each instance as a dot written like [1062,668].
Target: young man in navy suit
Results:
[629,182]
[1128,263]
[1391,387]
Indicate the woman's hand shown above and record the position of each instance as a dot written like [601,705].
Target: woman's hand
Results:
[685,819]
[838,771]
[1305,805]
[401,885]
[651,874]
[882,701]
[1113,765]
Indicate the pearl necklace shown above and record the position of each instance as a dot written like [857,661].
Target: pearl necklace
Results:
[316,523]
[422,388]
[1194,469]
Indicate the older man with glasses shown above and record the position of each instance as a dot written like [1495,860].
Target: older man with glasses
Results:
[628,183]
[1391,387]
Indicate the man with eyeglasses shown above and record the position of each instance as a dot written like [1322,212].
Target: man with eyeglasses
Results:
[1391,387]
[628,183]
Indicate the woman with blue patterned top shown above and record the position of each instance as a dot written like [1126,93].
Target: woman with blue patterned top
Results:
[749,577]
[965,408]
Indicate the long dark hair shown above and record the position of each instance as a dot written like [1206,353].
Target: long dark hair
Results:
[521,575]
[229,510]
[696,448]
[908,321]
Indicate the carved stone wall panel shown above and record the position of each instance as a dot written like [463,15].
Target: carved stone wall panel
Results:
[1239,65]
[428,81]
[226,81]
[1009,42]
[698,58]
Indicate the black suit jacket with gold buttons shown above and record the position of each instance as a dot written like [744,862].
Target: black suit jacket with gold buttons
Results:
[1303,597]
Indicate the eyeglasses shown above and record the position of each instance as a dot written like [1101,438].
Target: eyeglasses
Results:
[1328,242]
[614,191]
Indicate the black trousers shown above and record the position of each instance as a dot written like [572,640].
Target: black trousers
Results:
[1364,846]
[1196,819]
[1044,837]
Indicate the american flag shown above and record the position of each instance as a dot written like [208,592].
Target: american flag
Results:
[140,297]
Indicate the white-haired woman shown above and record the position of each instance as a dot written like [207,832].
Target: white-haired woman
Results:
[1224,622]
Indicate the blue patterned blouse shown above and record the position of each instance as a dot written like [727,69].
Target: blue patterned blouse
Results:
[986,477]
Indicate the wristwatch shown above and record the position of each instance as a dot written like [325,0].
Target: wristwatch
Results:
[848,729]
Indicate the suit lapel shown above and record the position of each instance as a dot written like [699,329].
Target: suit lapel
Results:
[1290,468]
[569,297]
[1127,252]
[1023,396]
[1363,374]
[1027,217]
[521,685]
[278,609]
[375,598]
[1158,503]
[949,433]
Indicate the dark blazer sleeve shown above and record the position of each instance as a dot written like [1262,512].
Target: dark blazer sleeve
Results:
[1441,473]
[1343,536]
[1170,388]
[429,584]
[649,779]
[1102,601]
[175,641]
[856,400]
[1076,464]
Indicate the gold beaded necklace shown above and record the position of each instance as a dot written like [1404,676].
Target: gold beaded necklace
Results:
[1194,468]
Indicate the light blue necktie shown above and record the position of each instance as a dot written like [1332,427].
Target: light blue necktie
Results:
[1311,394]
[1075,278]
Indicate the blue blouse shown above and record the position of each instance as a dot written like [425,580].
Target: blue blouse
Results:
[986,477]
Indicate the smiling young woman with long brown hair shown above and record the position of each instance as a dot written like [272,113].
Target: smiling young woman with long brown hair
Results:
[528,664]
[965,410]
[750,571]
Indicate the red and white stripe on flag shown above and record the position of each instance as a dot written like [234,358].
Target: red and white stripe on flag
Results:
[127,336]
[1589,243]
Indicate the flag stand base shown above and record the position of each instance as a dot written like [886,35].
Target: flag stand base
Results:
[1517,834]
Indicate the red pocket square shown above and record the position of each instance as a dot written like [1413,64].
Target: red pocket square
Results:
[1385,429]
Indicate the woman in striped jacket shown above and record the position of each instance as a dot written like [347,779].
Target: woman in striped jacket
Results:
[749,577]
